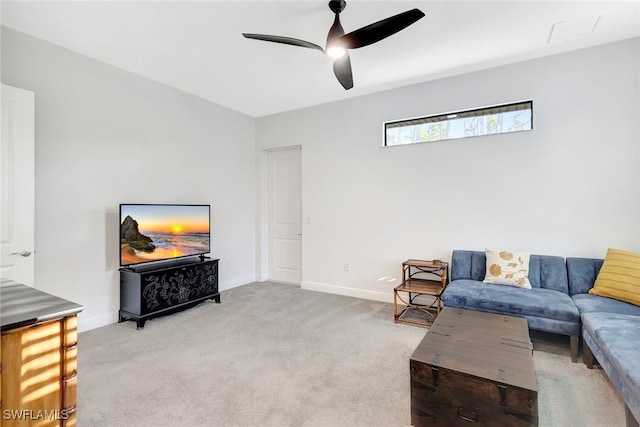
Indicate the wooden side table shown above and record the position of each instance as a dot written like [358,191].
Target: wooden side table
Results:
[420,277]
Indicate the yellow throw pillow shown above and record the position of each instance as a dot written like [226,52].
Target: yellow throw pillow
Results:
[507,268]
[619,277]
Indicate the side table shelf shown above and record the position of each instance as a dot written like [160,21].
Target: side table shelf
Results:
[420,278]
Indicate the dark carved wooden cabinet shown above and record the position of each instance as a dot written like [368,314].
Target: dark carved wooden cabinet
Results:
[151,291]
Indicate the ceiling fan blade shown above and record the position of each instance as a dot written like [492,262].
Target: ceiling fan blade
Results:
[380,30]
[283,40]
[342,70]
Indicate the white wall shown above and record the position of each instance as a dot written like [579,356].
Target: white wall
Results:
[104,137]
[570,187]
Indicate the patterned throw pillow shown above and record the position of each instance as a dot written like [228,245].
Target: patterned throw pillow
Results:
[507,268]
[619,277]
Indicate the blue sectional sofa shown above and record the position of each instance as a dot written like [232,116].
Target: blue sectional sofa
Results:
[559,302]
[610,332]
[547,306]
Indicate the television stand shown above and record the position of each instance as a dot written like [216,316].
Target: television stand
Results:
[149,291]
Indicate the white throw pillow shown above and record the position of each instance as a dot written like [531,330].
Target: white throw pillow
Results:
[507,268]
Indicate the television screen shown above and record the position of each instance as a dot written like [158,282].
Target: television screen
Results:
[160,232]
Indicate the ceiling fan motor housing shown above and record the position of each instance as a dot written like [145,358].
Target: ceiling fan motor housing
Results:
[337,6]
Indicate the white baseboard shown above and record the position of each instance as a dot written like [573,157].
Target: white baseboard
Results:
[349,292]
[229,284]
[110,318]
[96,322]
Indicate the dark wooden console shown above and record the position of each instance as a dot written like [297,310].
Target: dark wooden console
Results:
[155,290]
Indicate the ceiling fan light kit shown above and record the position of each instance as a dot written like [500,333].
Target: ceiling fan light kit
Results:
[338,43]
[336,51]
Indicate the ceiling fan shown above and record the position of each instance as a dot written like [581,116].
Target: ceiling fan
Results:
[339,43]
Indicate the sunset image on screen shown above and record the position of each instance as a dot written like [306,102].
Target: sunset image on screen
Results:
[157,232]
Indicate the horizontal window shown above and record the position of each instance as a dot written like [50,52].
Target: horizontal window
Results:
[492,120]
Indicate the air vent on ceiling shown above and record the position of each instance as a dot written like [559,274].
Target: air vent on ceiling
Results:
[573,28]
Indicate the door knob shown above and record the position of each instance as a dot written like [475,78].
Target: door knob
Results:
[24,253]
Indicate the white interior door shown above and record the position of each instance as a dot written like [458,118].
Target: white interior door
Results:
[284,231]
[17,186]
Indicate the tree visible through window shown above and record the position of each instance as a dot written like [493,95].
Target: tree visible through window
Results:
[462,124]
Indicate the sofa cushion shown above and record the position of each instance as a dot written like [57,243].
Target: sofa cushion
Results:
[613,339]
[588,303]
[582,273]
[619,277]
[545,271]
[507,268]
[538,302]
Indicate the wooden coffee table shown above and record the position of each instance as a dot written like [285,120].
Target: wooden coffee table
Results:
[474,367]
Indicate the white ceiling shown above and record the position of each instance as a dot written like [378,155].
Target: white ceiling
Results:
[197,46]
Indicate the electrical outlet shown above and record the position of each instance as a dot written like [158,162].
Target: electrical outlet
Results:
[347,267]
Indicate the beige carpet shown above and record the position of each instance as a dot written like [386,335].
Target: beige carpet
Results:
[276,355]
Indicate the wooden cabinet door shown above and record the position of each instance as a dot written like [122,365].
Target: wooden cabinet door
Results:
[31,365]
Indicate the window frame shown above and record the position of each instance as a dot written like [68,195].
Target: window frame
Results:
[526,105]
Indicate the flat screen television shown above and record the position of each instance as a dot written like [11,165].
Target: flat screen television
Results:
[153,232]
